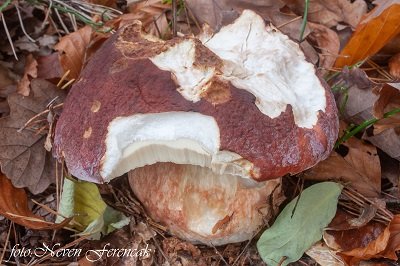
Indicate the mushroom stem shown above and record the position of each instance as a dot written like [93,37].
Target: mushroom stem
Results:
[201,206]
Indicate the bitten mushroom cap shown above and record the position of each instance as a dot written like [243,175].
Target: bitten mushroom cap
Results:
[243,101]
[205,126]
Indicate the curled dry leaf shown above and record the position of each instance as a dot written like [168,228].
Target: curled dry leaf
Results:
[330,13]
[152,13]
[373,240]
[22,155]
[373,32]
[360,168]
[323,255]
[30,71]
[394,239]
[72,49]
[385,134]
[394,66]
[14,206]
[358,94]
[327,41]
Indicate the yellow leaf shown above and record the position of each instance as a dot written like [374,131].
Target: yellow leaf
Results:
[373,32]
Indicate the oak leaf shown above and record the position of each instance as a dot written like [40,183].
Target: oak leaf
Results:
[14,206]
[22,155]
[360,168]
[72,49]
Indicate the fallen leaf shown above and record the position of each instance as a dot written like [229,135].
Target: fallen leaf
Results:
[72,49]
[82,201]
[324,255]
[359,168]
[373,240]
[388,141]
[359,244]
[152,14]
[394,66]
[49,67]
[327,41]
[355,95]
[330,13]
[22,156]
[300,224]
[385,133]
[24,44]
[376,29]
[29,72]
[5,79]
[14,206]
[394,240]
[217,13]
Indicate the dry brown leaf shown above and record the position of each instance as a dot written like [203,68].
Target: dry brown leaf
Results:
[357,100]
[30,71]
[72,49]
[221,12]
[5,79]
[152,14]
[394,66]
[394,239]
[373,32]
[360,168]
[49,67]
[371,241]
[327,41]
[386,132]
[377,245]
[22,155]
[324,255]
[330,13]
[14,206]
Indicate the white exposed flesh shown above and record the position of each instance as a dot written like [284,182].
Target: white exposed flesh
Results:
[177,137]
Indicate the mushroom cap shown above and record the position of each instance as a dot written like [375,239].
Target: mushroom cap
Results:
[243,101]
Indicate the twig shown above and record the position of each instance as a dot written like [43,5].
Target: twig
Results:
[36,116]
[288,22]
[220,255]
[61,21]
[22,23]
[6,242]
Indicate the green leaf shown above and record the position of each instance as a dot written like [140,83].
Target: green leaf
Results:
[300,224]
[92,216]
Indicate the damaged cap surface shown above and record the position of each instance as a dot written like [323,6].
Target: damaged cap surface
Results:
[243,101]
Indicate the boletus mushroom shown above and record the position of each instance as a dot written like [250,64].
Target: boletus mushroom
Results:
[205,126]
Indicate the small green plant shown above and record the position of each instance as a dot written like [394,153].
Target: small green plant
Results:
[354,129]
[304,22]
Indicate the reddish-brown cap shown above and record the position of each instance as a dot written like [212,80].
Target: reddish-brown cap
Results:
[243,101]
